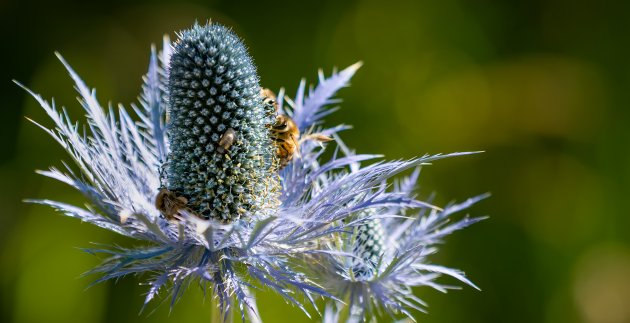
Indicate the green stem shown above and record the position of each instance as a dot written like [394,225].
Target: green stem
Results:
[344,314]
[215,315]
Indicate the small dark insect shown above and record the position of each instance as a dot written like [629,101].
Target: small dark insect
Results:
[227,140]
[269,98]
[169,203]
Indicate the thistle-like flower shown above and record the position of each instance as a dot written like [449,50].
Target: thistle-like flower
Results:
[213,92]
[200,179]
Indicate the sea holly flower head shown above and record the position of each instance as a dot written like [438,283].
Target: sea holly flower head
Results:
[214,92]
[198,176]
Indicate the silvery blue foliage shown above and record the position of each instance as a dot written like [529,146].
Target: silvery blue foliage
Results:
[342,229]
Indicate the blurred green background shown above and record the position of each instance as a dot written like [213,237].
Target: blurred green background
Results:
[542,86]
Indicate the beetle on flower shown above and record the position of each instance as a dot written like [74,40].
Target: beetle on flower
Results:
[230,213]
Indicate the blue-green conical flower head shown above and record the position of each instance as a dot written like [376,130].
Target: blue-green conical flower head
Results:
[367,247]
[221,154]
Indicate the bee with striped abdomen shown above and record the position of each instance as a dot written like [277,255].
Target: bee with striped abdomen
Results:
[169,203]
[285,135]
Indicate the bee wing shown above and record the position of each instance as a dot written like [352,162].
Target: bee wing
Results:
[296,143]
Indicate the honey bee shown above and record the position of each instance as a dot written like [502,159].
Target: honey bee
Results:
[227,140]
[169,203]
[285,135]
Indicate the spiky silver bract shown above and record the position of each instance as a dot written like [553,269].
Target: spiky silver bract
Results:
[213,87]
[332,217]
